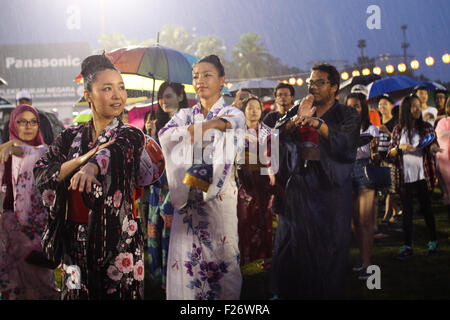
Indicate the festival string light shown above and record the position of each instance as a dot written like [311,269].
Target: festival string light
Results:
[345,75]
[415,64]
[390,68]
[366,71]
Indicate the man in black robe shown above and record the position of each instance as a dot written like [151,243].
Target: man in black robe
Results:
[313,235]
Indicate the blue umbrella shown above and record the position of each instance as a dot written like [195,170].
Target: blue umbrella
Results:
[396,83]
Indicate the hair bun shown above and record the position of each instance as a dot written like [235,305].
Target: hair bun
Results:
[93,64]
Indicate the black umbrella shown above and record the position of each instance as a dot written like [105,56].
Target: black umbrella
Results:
[346,86]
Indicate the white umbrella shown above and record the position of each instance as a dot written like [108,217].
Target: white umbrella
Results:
[3,81]
[439,86]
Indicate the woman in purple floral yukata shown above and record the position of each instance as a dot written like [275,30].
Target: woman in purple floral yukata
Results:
[22,215]
[203,258]
[89,173]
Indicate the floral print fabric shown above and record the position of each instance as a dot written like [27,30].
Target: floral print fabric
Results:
[159,226]
[104,258]
[21,232]
[203,260]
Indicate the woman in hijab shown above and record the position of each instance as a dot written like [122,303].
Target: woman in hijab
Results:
[22,215]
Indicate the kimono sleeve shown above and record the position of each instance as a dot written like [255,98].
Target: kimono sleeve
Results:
[443,130]
[33,154]
[176,159]
[343,135]
[47,168]
[338,152]
[236,119]
[119,162]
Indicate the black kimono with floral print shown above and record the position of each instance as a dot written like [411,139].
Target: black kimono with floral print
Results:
[104,258]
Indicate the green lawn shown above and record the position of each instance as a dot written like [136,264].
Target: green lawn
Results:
[421,277]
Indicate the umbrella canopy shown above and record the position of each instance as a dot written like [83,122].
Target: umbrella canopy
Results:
[154,61]
[364,80]
[396,83]
[3,81]
[83,116]
[138,64]
[254,84]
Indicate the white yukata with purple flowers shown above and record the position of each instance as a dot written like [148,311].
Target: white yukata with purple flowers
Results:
[203,257]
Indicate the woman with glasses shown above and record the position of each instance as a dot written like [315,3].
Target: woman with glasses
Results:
[203,261]
[22,215]
[171,97]
[415,165]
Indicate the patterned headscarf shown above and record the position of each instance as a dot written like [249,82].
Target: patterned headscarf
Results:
[13,132]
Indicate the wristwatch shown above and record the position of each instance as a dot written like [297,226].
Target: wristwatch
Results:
[224,121]
[320,123]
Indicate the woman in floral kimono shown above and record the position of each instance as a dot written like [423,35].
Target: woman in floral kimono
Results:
[22,215]
[255,190]
[203,261]
[90,173]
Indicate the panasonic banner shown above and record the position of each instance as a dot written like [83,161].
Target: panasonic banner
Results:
[47,71]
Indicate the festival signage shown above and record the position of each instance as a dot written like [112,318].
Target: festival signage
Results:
[47,71]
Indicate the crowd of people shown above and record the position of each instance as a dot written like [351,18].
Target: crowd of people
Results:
[91,202]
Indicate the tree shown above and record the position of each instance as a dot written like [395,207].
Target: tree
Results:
[176,37]
[210,45]
[115,40]
[250,56]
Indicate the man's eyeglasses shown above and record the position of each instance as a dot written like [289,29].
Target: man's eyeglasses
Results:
[279,95]
[24,123]
[317,83]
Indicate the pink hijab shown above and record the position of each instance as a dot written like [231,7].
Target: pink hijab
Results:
[13,132]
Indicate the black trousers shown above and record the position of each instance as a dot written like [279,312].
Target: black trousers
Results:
[417,189]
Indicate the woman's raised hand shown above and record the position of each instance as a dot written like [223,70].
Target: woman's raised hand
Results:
[5,153]
[85,157]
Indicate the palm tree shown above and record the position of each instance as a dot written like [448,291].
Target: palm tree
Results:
[176,37]
[209,45]
[250,56]
[114,40]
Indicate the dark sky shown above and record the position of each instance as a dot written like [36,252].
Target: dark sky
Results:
[296,31]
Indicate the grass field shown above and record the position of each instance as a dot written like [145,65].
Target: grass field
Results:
[420,277]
